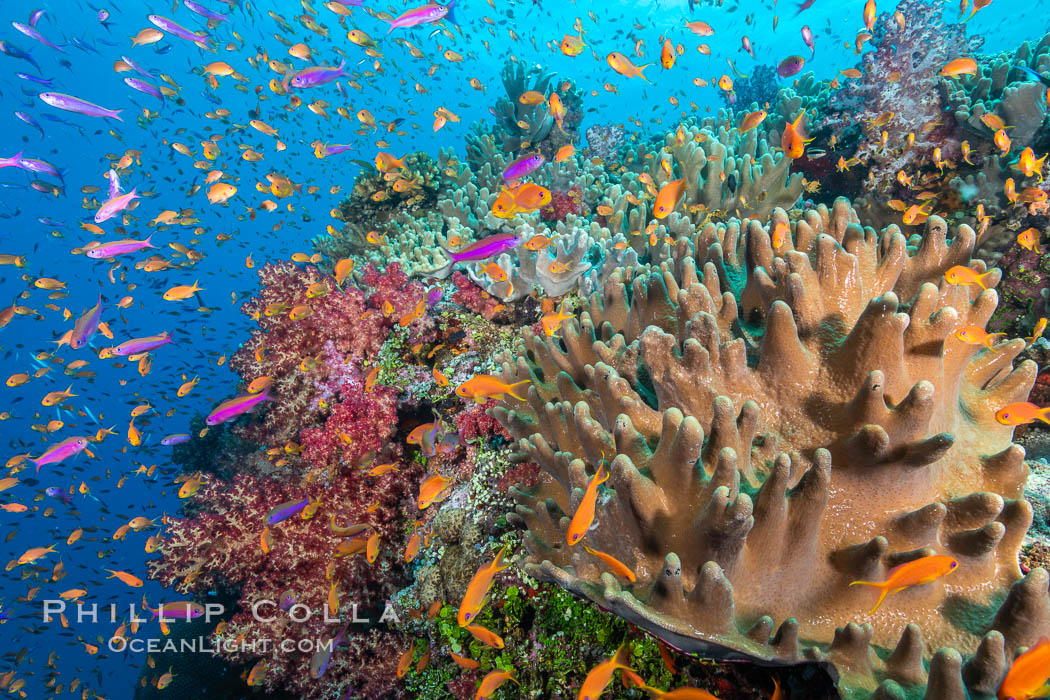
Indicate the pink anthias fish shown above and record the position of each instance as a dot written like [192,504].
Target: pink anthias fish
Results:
[115,205]
[63,450]
[807,37]
[480,250]
[315,76]
[141,345]
[427,14]
[238,405]
[112,249]
[69,103]
[86,325]
[522,166]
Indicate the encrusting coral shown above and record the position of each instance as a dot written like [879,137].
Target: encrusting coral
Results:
[780,422]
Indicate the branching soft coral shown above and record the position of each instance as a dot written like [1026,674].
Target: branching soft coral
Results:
[221,546]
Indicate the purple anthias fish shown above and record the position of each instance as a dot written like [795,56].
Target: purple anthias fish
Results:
[175,439]
[136,67]
[75,104]
[319,661]
[35,165]
[140,345]
[286,600]
[183,610]
[427,14]
[237,406]
[86,325]
[480,250]
[522,166]
[166,25]
[790,66]
[35,16]
[57,453]
[285,511]
[34,34]
[121,247]
[36,79]
[56,492]
[316,76]
[203,11]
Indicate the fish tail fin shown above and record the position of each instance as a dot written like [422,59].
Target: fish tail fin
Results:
[392,27]
[1043,414]
[622,656]
[642,75]
[116,115]
[500,563]
[602,475]
[980,278]
[149,241]
[449,16]
[884,591]
[511,386]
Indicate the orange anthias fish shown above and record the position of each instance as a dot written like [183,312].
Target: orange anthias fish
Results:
[669,197]
[571,45]
[1022,413]
[485,386]
[622,65]
[486,636]
[584,515]
[1029,240]
[493,680]
[1028,675]
[477,590]
[912,573]
[551,322]
[960,274]
[752,120]
[791,140]
[617,566]
[975,335]
[598,677]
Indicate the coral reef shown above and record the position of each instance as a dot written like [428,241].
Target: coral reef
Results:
[531,127]
[1003,90]
[220,547]
[778,425]
[898,89]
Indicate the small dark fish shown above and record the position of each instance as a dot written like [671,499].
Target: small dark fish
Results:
[51,222]
[31,122]
[14,52]
[731,183]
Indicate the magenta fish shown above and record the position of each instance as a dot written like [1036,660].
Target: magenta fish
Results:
[285,511]
[121,247]
[86,325]
[63,450]
[141,345]
[427,14]
[238,405]
[69,103]
[315,76]
[114,206]
[14,161]
[807,37]
[522,166]
[480,250]
[790,66]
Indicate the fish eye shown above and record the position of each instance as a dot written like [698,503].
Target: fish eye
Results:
[954,564]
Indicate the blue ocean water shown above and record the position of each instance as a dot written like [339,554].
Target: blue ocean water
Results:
[45,227]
